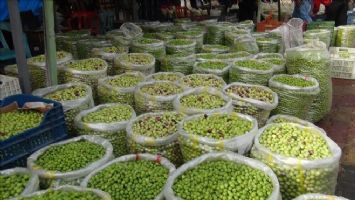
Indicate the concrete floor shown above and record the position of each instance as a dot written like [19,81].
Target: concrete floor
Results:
[340,126]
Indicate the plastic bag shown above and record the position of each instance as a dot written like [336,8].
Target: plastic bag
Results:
[197,36]
[73,177]
[313,60]
[249,75]
[323,35]
[72,107]
[84,46]
[243,43]
[215,32]
[165,76]
[268,45]
[165,36]
[201,57]
[193,146]
[295,101]
[112,94]
[288,118]
[108,56]
[315,196]
[202,80]
[295,31]
[253,107]
[152,46]
[227,107]
[346,36]
[246,24]
[168,190]
[175,46]
[131,158]
[278,64]
[149,103]
[114,132]
[32,184]
[223,73]
[99,193]
[298,176]
[141,62]
[167,146]
[178,63]
[214,48]
[131,30]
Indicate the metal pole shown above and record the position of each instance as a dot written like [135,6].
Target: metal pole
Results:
[51,63]
[18,40]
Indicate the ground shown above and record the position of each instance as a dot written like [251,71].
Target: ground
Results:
[340,126]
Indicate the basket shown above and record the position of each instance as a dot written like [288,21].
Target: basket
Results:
[9,86]
[14,150]
[342,62]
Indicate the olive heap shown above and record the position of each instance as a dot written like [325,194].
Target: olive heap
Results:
[70,156]
[107,116]
[203,101]
[147,96]
[13,185]
[214,48]
[302,144]
[278,64]
[242,104]
[215,127]
[180,62]
[148,45]
[202,80]
[131,180]
[218,68]
[251,71]
[142,62]
[166,76]
[151,133]
[181,46]
[63,195]
[119,88]
[72,93]
[18,121]
[223,180]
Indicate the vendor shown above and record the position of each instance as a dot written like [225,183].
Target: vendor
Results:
[303,9]
[337,11]
[247,9]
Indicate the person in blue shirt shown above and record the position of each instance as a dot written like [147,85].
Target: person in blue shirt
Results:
[303,9]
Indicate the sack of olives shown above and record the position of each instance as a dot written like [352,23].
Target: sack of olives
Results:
[247,25]
[87,71]
[156,133]
[165,76]
[141,62]
[66,192]
[313,60]
[323,35]
[74,98]
[345,36]
[119,88]
[215,32]
[154,96]
[119,39]
[69,161]
[214,48]
[131,30]
[233,57]
[68,41]
[85,46]
[204,133]
[132,177]
[165,36]
[108,121]
[277,60]
[268,45]
[243,43]
[290,119]
[146,45]
[251,71]
[108,54]
[315,196]
[175,46]
[202,80]
[181,62]
[17,181]
[202,100]
[253,100]
[201,57]
[223,175]
[216,67]
[230,36]
[195,35]
[296,94]
[304,159]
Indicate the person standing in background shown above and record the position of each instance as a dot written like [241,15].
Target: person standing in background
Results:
[337,11]
[247,9]
[303,9]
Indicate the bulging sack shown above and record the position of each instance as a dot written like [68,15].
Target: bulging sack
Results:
[141,62]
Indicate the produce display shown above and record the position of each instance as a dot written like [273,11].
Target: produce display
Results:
[222,176]
[180,62]
[148,45]
[142,62]
[322,35]
[268,45]
[119,88]
[156,133]
[200,134]
[216,67]
[131,177]
[315,196]
[345,36]
[156,96]
[165,76]
[296,94]
[202,100]
[17,181]
[107,121]
[251,71]
[181,46]
[16,122]
[253,100]
[313,60]
[74,98]
[304,159]
[192,35]
[87,71]
[278,64]
[214,48]
[243,43]
[202,80]
[108,54]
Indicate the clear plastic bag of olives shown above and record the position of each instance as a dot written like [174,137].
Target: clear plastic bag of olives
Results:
[315,196]
[243,43]
[165,76]
[145,45]
[215,32]
[216,67]
[288,118]
[141,62]
[108,54]
[178,63]
[176,46]
[197,36]
[276,59]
